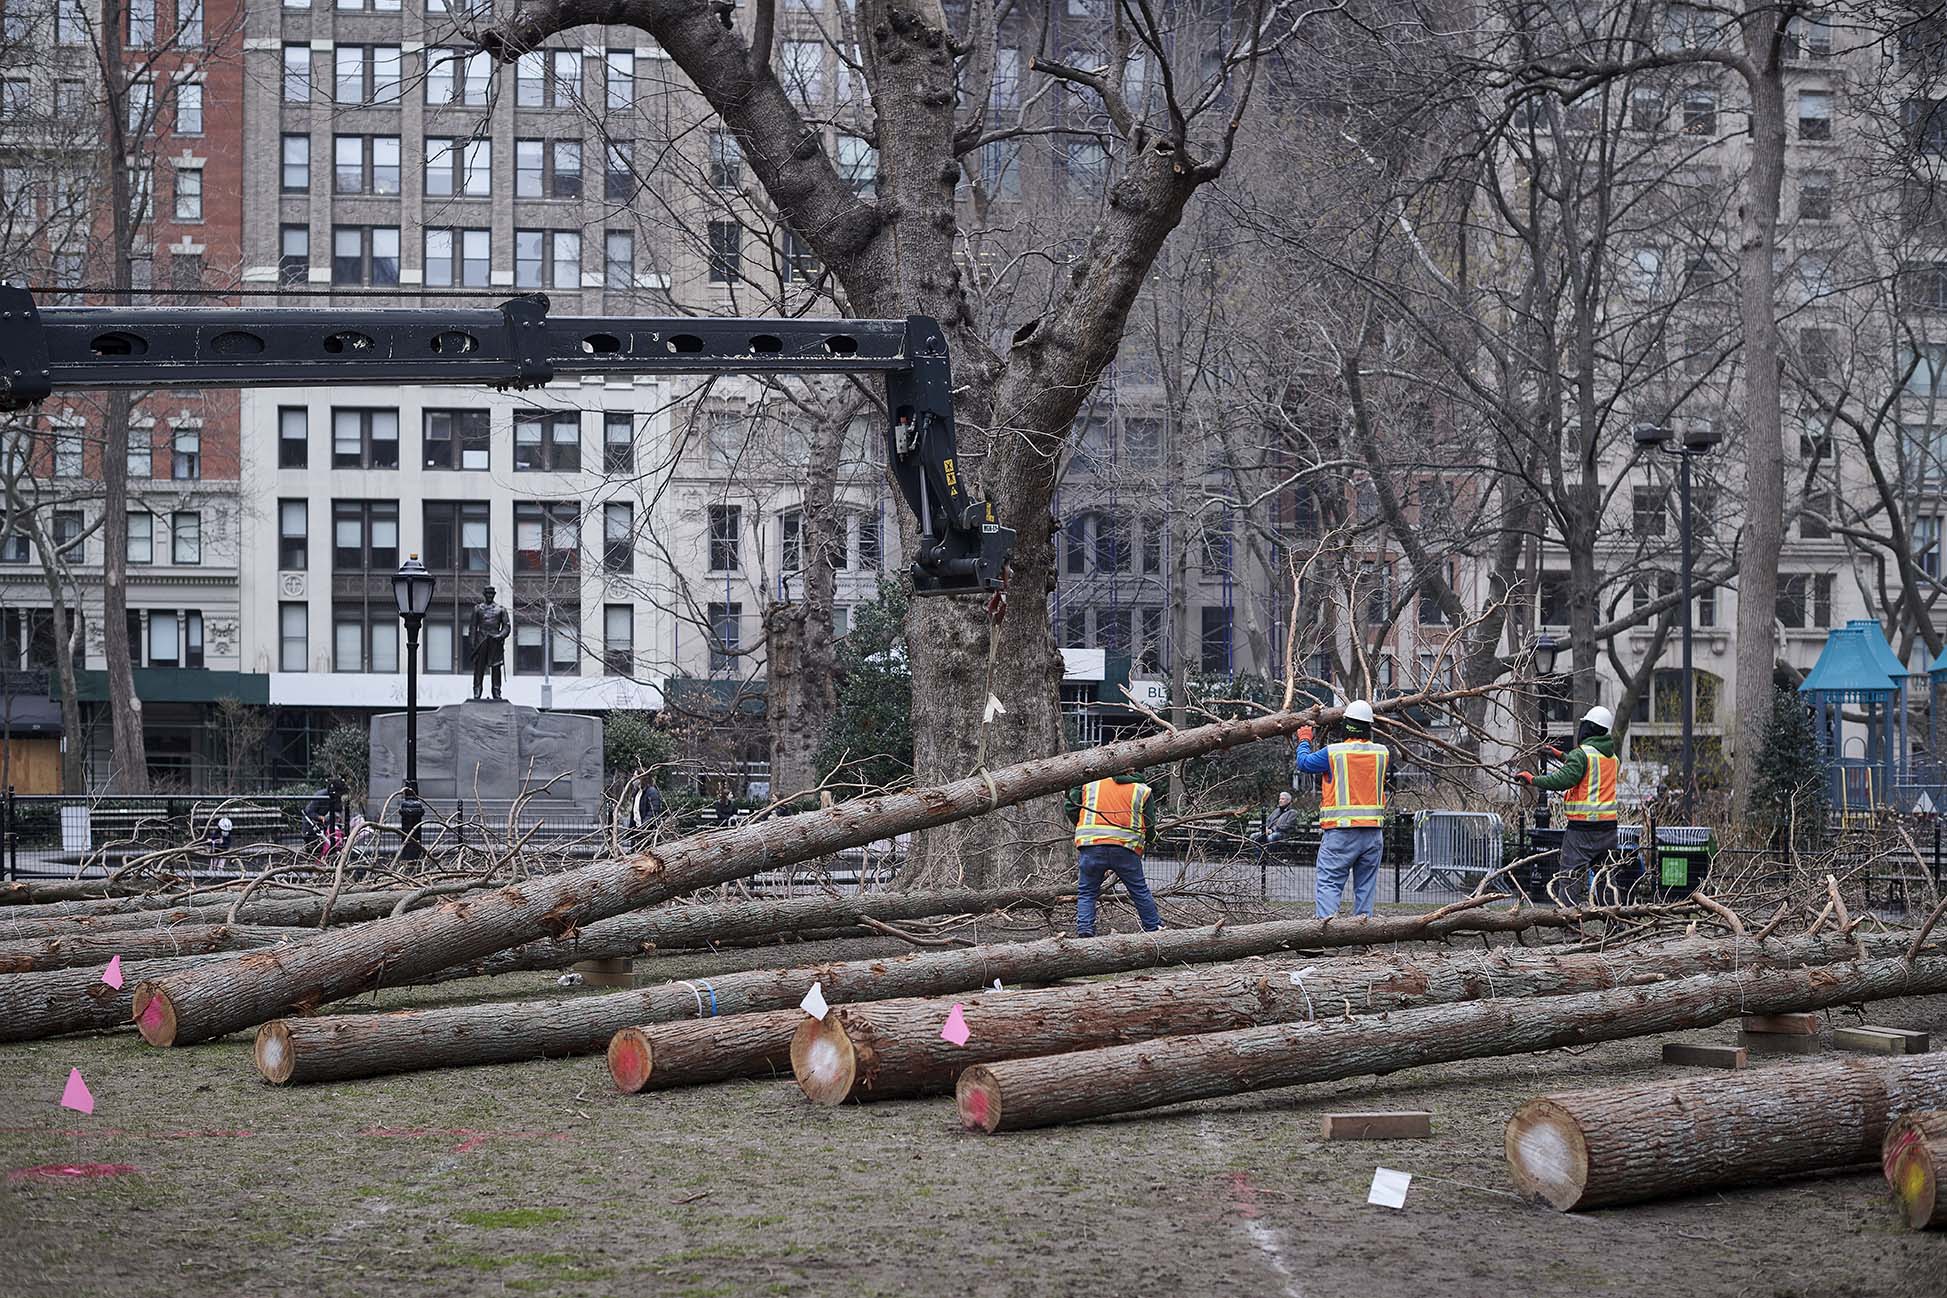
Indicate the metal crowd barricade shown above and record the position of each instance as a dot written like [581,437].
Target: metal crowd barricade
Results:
[1454,850]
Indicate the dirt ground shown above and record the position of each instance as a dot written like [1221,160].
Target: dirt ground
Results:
[540,1179]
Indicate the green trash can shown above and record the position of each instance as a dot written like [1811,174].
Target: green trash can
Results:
[1683,856]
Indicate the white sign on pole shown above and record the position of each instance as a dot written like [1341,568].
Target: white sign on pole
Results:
[76,832]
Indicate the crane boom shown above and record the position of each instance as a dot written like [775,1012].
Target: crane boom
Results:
[962,547]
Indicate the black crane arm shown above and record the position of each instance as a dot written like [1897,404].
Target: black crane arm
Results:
[962,548]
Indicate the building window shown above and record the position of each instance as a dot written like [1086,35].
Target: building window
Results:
[293,254]
[547,259]
[858,163]
[618,171]
[800,262]
[1814,115]
[619,67]
[549,643]
[364,638]
[459,168]
[459,257]
[726,160]
[1551,597]
[618,442]
[365,164]
[1700,113]
[186,537]
[367,74]
[802,70]
[175,637]
[618,639]
[1216,656]
[1152,544]
[455,78]
[141,537]
[189,108]
[1926,544]
[726,251]
[726,634]
[1925,285]
[1149,644]
[297,74]
[548,79]
[14,546]
[365,254]
[293,535]
[457,536]
[618,259]
[67,453]
[189,193]
[791,542]
[618,536]
[297,164]
[726,523]
[365,536]
[547,168]
[1649,510]
[293,637]
[1804,600]
[456,439]
[1815,519]
[869,554]
[723,435]
[1217,546]
[293,437]
[186,456]
[1815,196]
[139,451]
[364,439]
[547,536]
[547,441]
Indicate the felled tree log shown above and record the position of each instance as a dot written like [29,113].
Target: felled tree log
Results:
[1914,1158]
[657,1056]
[136,944]
[1019,1093]
[37,1005]
[1624,1144]
[206,1002]
[893,1049]
[265,907]
[328,1048]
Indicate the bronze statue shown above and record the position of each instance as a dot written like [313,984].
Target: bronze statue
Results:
[488,631]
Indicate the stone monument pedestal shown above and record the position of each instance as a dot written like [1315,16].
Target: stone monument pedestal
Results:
[485,754]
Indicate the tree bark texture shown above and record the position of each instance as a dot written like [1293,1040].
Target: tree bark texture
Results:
[1914,1158]
[267,905]
[328,1048]
[202,1003]
[894,1050]
[77,950]
[659,1056]
[1764,453]
[1591,1149]
[37,1005]
[1020,1093]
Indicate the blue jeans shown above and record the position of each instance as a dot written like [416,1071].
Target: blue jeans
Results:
[1097,861]
[1356,850]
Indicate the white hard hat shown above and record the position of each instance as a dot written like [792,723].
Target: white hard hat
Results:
[1359,710]
[224,824]
[1600,716]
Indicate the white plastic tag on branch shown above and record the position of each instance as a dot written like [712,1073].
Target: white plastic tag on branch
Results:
[997,984]
[1389,1187]
[814,1002]
[1298,980]
[994,709]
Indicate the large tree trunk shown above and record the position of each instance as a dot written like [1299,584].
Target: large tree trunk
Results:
[1020,1093]
[1914,1158]
[38,1005]
[1591,1149]
[1763,515]
[801,692]
[76,950]
[204,1003]
[332,1047]
[266,906]
[659,1056]
[894,1049]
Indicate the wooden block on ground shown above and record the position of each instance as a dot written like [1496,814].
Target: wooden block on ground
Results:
[1407,1125]
[607,973]
[1877,1041]
[1794,1025]
[1676,1052]
[1917,1043]
[1772,1043]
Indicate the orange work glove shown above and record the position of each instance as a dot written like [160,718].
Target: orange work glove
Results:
[1304,734]
[1526,777]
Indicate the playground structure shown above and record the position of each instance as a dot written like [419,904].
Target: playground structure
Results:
[1864,703]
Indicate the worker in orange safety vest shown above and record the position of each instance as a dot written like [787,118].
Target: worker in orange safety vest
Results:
[1351,810]
[1114,826]
[1586,779]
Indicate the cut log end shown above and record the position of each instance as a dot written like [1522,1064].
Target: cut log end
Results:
[154,1015]
[1547,1155]
[978,1095]
[276,1058]
[631,1060]
[823,1060]
[1914,1158]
